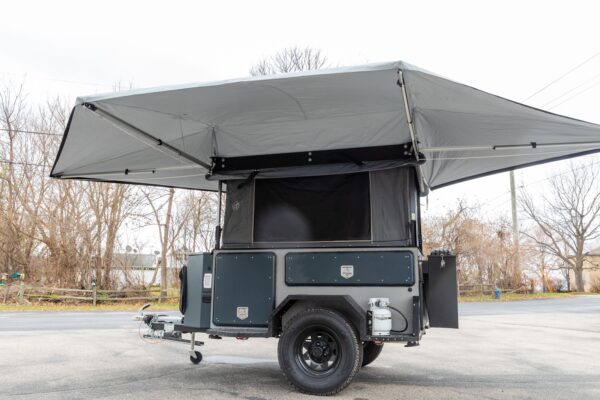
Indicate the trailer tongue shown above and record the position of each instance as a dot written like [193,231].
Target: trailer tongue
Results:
[321,240]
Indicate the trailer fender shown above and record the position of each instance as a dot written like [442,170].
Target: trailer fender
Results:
[343,304]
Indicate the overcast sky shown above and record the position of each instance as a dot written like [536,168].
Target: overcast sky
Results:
[509,48]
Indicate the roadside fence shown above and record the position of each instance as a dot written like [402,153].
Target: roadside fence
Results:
[488,289]
[94,295]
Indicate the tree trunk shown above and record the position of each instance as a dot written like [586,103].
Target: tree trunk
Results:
[579,285]
[151,283]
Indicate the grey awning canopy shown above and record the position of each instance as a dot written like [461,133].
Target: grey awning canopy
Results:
[311,123]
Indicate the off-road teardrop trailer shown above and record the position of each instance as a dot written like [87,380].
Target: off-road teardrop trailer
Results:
[321,240]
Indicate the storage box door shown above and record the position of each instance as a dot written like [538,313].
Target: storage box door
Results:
[441,292]
[244,292]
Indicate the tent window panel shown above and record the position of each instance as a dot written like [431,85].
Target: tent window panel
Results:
[313,209]
[393,199]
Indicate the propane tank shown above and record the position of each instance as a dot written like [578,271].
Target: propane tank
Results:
[381,316]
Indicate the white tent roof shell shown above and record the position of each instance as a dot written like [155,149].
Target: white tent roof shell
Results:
[463,132]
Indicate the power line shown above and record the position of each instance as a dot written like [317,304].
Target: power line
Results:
[31,132]
[501,196]
[26,76]
[575,95]
[563,75]
[26,164]
[512,191]
[565,172]
[570,91]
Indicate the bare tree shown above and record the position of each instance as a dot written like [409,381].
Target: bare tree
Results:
[57,232]
[193,225]
[13,115]
[161,203]
[568,218]
[111,205]
[290,59]
[484,248]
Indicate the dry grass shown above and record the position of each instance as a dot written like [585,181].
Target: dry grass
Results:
[173,305]
[519,296]
[57,307]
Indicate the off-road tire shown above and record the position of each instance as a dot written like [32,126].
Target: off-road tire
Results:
[370,352]
[314,335]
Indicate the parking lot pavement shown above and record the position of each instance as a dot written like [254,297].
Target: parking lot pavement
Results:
[545,349]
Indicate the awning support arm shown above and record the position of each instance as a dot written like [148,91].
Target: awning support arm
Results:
[498,147]
[144,137]
[411,128]
[413,136]
[218,228]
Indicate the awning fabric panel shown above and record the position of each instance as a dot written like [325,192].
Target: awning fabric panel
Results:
[343,108]
[449,114]
[347,108]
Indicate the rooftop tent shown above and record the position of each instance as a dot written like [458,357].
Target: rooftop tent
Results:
[325,122]
[302,211]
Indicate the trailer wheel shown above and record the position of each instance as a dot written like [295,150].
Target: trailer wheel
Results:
[196,358]
[370,352]
[319,352]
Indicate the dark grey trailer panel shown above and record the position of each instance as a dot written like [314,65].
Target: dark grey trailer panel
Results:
[441,291]
[197,286]
[244,289]
[343,268]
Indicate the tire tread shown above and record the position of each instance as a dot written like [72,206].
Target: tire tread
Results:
[357,344]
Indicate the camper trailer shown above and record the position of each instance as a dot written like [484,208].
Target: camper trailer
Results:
[331,265]
[319,176]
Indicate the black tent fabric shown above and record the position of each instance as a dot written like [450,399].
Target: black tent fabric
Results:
[371,208]
[313,209]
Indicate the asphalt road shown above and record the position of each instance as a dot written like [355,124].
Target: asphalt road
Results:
[545,349]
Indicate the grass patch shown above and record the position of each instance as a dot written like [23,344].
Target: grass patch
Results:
[57,307]
[172,305]
[519,296]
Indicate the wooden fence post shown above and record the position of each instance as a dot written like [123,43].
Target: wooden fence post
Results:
[94,292]
[21,289]
[5,282]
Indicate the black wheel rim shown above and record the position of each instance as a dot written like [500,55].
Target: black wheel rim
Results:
[318,351]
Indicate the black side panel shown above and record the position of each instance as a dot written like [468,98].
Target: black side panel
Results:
[282,160]
[441,293]
[183,289]
[416,317]
[244,292]
[313,209]
[239,210]
[393,200]
[359,268]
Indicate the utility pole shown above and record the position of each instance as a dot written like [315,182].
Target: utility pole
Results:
[165,243]
[515,222]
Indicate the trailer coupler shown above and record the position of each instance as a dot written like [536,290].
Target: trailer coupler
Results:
[164,327]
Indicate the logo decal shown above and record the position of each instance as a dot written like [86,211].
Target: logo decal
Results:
[242,313]
[347,271]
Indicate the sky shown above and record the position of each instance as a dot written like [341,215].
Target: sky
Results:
[509,48]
